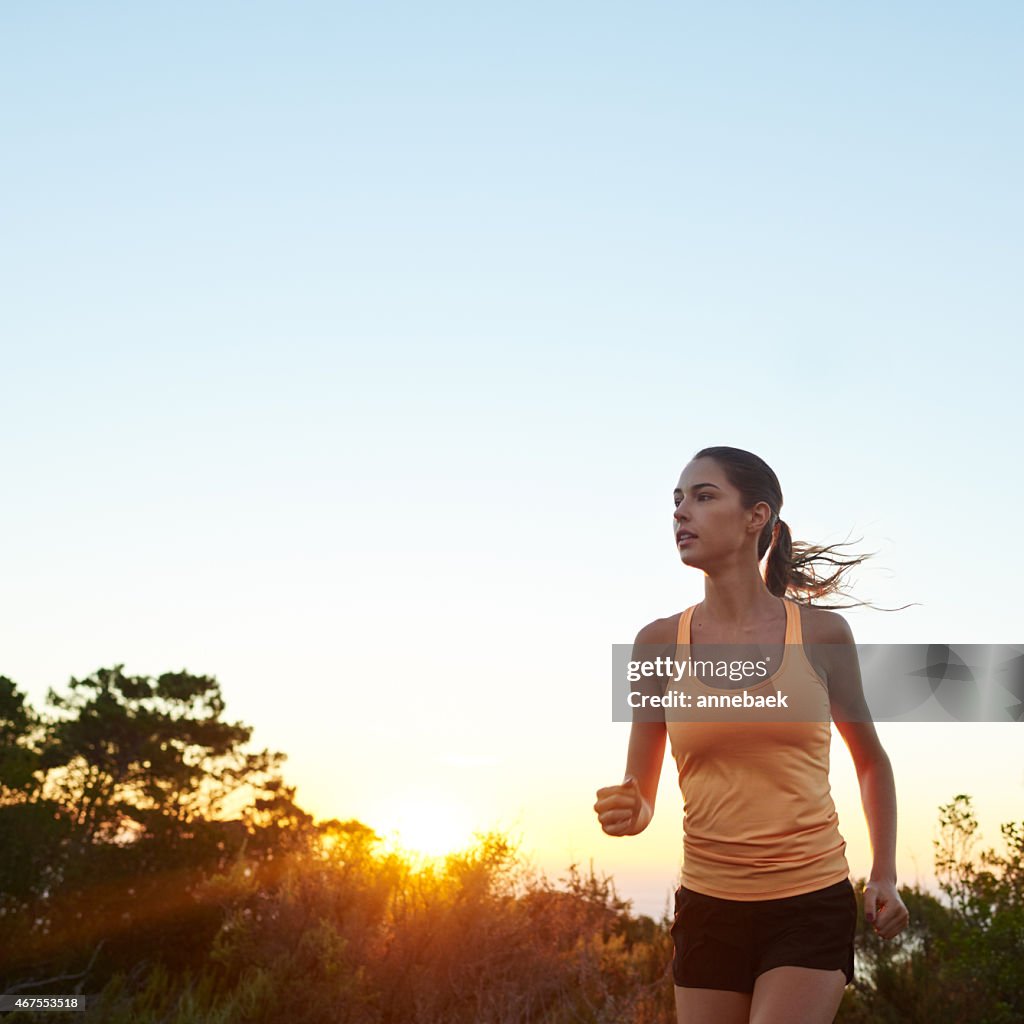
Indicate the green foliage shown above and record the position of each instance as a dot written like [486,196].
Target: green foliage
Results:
[956,962]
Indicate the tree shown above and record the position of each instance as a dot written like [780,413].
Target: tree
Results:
[19,756]
[958,962]
[110,810]
[134,755]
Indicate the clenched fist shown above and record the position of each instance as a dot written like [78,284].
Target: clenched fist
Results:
[622,810]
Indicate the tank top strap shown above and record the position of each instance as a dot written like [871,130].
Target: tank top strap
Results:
[794,631]
[683,631]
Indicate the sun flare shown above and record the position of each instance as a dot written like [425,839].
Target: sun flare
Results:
[427,826]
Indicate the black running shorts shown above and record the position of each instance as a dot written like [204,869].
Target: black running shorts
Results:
[726,944]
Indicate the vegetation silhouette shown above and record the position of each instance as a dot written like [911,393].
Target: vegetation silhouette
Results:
[123,877]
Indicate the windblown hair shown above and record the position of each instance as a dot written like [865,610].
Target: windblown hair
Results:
[794,568]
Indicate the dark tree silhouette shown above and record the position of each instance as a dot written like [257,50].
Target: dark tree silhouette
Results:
[111,808]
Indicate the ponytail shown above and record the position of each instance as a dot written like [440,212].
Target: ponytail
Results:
[796,568]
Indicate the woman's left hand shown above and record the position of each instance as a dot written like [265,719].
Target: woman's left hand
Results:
[883,908]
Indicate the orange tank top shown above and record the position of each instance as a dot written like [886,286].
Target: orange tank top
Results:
[759,821]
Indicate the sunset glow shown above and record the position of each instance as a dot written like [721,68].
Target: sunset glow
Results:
[425,824]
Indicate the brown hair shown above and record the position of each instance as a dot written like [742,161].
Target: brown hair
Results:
[793,567]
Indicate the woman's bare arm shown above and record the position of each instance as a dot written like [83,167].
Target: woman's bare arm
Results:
[852,718]
[883,907]
[644,759]
[627,809]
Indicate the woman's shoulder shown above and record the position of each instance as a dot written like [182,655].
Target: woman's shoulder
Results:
[661,631]
[823,626]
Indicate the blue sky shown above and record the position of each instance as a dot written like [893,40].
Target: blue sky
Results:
[349,349]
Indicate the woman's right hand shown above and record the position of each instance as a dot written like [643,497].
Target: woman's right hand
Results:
[622,810]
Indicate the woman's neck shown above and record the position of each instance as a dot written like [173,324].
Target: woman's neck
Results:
[737,602]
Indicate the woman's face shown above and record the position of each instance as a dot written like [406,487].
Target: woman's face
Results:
[708,507]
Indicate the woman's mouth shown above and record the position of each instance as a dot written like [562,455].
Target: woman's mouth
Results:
[685,538]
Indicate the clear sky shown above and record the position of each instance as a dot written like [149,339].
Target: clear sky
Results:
[351,354]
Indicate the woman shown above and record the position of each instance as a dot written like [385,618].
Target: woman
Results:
[766,913]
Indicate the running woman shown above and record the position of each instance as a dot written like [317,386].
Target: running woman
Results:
[766,914]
